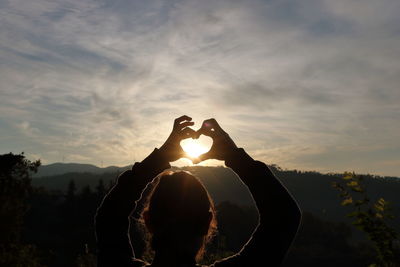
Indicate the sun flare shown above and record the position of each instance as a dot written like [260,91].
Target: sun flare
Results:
[193,147]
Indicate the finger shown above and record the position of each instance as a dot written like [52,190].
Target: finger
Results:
[207,128]
[188,133]
[197,134]
[185,124]
[182,118]
[212,123]
[216,124]
[206,124]
[205,131]
[205,156]
[194,160]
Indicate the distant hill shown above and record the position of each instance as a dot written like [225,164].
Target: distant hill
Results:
[312,190]
[62,168]
[220,181]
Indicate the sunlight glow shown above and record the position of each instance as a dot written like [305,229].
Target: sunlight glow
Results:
[193,147]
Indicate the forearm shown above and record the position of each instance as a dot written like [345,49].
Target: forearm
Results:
[265,188]
[131,184]
[112,220]
[278,211]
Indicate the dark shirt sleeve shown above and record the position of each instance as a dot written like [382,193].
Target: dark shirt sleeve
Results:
[112,217]
[279,215]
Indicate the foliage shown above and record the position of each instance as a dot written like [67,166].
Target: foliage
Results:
[15,188]
[87,259]
[20,255]
[371,217]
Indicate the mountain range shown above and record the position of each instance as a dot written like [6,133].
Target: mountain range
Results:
[62,168]
[312,190]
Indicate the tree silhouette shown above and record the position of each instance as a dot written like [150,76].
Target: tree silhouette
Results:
[15,188]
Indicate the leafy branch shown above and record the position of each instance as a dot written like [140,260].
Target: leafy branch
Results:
[371,218]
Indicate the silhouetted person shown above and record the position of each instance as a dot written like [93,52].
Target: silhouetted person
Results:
[180,213]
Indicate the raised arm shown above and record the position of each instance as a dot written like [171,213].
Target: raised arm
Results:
[279,214]
[112,217]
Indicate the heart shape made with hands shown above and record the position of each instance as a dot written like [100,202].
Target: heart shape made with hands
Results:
[196,147]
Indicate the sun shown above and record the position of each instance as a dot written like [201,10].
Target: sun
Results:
[193,147]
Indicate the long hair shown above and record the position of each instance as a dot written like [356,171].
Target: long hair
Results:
[180,214]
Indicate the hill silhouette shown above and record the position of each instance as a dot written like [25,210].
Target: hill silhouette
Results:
[312,190]
[59,221]
[62,168]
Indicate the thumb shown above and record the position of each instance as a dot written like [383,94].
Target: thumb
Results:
[205,156]
[194,160]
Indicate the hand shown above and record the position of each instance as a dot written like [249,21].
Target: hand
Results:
[172,148]
[222,143]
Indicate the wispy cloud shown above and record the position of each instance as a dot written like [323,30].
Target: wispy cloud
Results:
[305,84]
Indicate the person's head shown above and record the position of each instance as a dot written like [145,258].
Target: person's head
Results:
[179,215]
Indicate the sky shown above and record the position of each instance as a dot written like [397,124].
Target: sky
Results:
[305,84]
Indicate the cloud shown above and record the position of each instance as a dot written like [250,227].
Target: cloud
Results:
[291,81]
[26,129]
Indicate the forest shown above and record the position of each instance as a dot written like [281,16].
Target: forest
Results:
[48,220]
